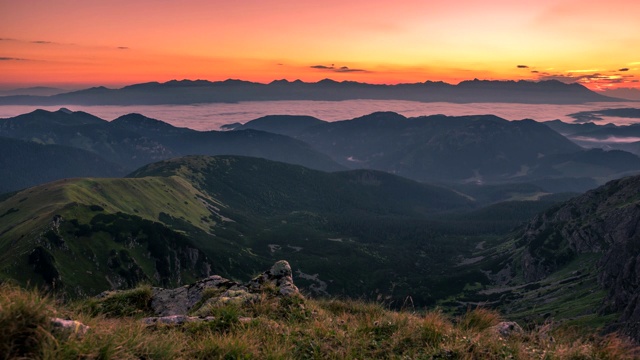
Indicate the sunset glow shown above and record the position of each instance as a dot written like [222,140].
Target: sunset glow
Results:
[71,43]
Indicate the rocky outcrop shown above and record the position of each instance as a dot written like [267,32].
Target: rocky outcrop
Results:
[180,301]
[280,276]
[604,221]
[171,306]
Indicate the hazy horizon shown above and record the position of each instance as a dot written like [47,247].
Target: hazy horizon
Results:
[211,116]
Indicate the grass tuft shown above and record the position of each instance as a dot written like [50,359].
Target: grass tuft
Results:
[134,302]
[24,322]
[479,319]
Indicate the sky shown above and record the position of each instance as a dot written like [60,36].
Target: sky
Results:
[81,43]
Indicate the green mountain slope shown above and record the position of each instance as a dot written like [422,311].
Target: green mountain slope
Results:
[87,235]
[356,233]
[577,261]
[265,187]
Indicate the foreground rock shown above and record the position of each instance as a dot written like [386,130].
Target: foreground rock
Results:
[68,327]
[171,306]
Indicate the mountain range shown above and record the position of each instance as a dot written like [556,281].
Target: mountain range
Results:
[202,91]
[482,149]
[127,143]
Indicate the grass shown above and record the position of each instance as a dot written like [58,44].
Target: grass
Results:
[134,302]
[273,328]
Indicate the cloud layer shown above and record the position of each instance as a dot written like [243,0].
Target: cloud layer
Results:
[596,77]
[341,69]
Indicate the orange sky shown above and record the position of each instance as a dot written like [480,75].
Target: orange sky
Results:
[79,43]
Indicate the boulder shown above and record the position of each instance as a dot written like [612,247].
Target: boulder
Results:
[279,276]
[218,291]
[180,301]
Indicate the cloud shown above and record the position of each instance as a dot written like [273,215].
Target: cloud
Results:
[592,78]
[123,48]
[341,69]
[11,59]
[522,67]
[567,78]
[41,42]
[535,71]
[323,67]
[346,69]
[610,139]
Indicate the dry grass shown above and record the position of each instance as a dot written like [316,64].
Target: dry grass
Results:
[287,329]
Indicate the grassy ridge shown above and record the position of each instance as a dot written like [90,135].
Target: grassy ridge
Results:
[60,223]
[274,328]
[30,210]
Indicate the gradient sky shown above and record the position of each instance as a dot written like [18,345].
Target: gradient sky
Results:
[79,43]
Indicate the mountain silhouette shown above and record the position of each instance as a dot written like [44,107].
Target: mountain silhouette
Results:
[202,91]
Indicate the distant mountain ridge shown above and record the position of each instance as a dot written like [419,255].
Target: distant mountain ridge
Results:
[481,149]
[133,140]
[202,91]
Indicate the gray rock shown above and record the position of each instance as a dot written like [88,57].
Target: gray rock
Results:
[172,306]
[68,327]
[182,300]
[279,277]
[508,328]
